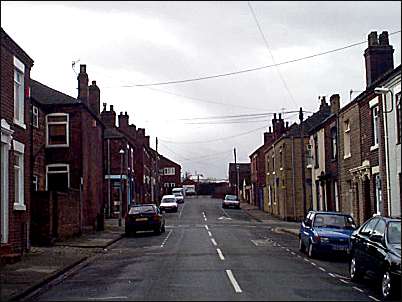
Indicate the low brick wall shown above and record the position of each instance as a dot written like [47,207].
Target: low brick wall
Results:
[54,215]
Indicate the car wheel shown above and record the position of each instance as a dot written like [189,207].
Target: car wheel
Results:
[310,250]
[354,271]
[157,231]
[301,245]
[386,285]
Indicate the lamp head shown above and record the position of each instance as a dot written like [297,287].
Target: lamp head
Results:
[381,90]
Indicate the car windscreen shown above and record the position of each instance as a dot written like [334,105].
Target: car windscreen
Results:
[167,200]
[177,194]
[394,232]
[142,209]
[230,197]
[333,221]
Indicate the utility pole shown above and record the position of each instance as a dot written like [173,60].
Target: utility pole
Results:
[303,172]
[157,173]
[121,152]
[237,174]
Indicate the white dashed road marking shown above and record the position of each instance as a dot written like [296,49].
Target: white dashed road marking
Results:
[220,254]
[358,289]
[167,237]
[210,234]
[214,242]
[375,299]
[323,269]
[346,282]
[234,282]
[332,275]
[108,298]
[206,227]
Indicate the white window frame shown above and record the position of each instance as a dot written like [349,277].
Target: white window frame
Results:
[35,116]
[35,182]
[375,124]
[378,191]
[347,135]
[336,196]
[19,101]
[67,123]
[19,203]
[57,172]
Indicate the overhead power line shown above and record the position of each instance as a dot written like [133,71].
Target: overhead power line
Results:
[214,140]
[249,69]
[270,52]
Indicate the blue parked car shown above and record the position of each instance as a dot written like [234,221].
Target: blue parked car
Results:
[322,232]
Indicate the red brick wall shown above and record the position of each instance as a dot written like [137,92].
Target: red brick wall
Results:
[18,220]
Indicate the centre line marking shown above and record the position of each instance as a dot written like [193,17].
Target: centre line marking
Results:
[205,218]
[332,275]
[358,289]
[312,263]
[167,237]
[233,280]
[214,242]
[323,269]
[375,299]
[210,234]
[206,227]
[346,282]
[220,254]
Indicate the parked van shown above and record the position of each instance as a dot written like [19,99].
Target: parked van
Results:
[179,190]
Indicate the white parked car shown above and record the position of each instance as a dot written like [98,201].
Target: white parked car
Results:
[231,201]
[179,197]
[169,203]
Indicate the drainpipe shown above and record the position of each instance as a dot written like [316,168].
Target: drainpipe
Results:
[385,112]
[109,209]
[293,178]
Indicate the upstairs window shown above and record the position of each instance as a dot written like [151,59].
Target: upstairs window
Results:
[35,117]
[374,124]
[57,131]
[346,138]
[169,171]
[334,146]
[19,69]
[316,152]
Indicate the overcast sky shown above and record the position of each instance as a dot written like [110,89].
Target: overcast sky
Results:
[131,43]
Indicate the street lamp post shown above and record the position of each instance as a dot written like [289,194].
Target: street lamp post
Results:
[121,152]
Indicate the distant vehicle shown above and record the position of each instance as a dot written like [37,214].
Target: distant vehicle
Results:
[179,197]
[144,217]
[189,190]
[323,232]
[169,203]
[376,252]
[231,201]
[178,190]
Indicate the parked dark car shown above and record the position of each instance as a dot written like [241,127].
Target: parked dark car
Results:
[376,252]
[144,217]
[323,232]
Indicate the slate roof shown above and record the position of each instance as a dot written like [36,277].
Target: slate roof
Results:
[113,133]
[49,96]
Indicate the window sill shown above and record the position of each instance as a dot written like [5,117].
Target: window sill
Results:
[309,166]
[375,147]
[19,207]
[347,156]
[20,124]
[57,146]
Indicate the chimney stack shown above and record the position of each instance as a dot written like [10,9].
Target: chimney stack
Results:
[378,57]
[123,120]
[334,101]
[146,140]
[94,98]
[108,118]
[83,84]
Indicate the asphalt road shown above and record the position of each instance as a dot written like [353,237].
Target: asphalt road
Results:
[208,253]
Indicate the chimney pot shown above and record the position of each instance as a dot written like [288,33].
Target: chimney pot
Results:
[383,39]
[280,116]
[93,82]
[125,113]
[104,106]
[372,39]
[111,108]
[83,68]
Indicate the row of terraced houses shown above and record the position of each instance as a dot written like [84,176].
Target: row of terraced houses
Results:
[66,165]
[338,159]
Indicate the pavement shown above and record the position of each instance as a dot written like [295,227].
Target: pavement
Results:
[290,227]
[44,264]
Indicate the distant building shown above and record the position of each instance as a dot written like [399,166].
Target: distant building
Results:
[170,173]
[244,174]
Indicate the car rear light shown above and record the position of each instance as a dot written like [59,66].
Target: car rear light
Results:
[156,218]
[316,237]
